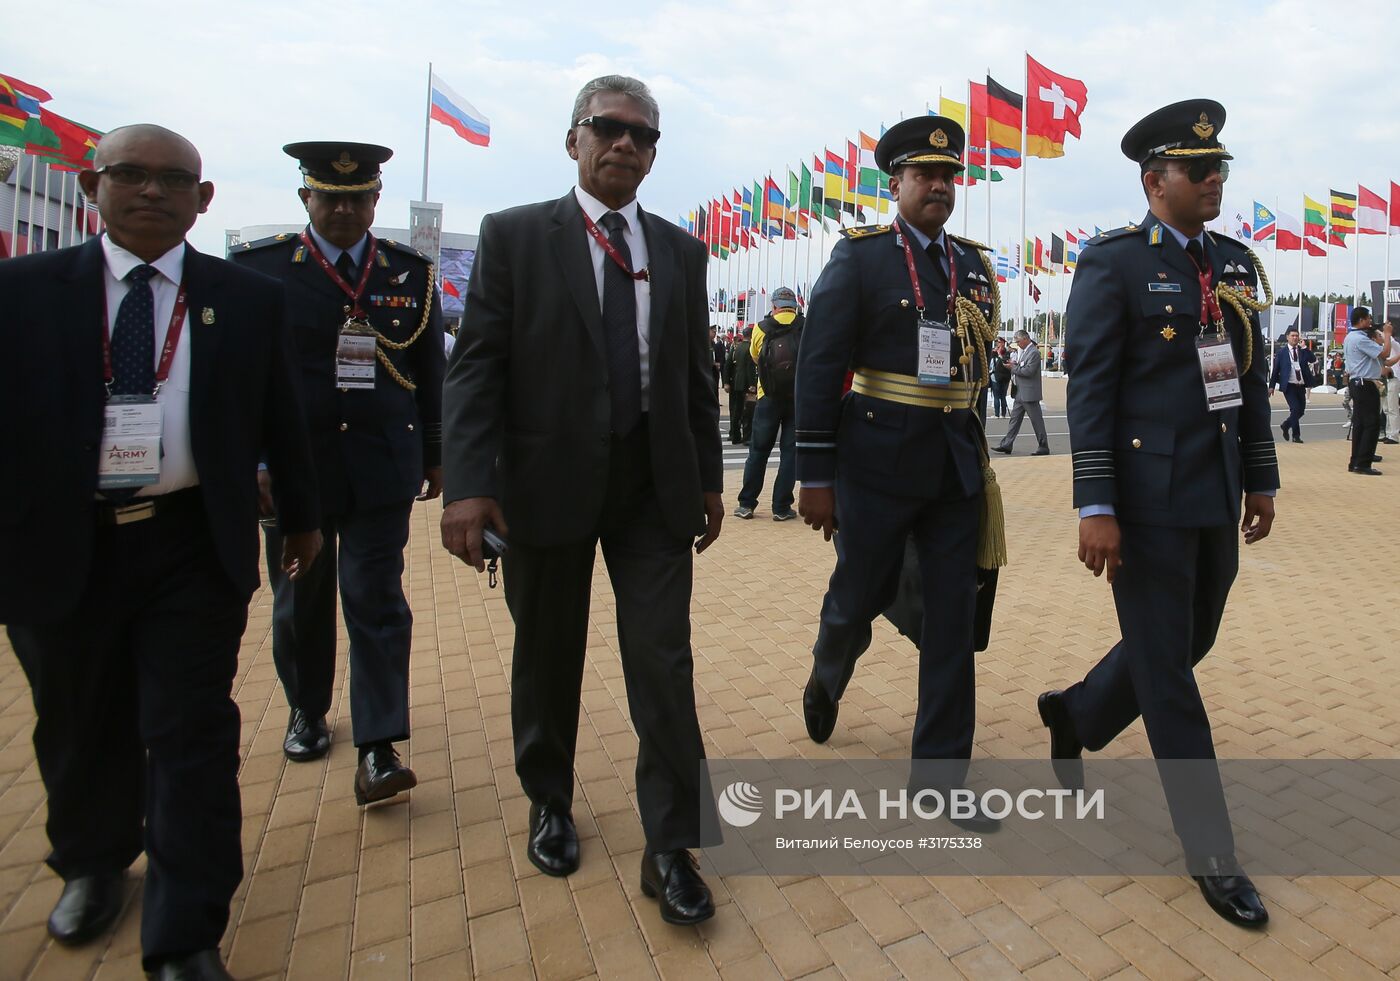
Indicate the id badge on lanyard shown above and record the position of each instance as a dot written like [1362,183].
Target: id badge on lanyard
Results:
[130,449]
[354,355]
[1219,373]
[935,366]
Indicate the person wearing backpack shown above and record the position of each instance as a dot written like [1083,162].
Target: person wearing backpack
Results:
[774,349]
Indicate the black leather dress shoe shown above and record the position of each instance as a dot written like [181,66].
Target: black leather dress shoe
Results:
[978,821]
[1297,439]
[1065,748]
[1388,441]
[1002,449]
[819,710]
[1368,471]
[307,738]
[202,965]
[1043,451]
[553,846]
[89,905]
[1230,893]
[1375,459]
[673,880]
[381,774]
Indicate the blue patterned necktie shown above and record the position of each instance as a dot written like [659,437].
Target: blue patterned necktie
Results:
[134,336]
[620,331]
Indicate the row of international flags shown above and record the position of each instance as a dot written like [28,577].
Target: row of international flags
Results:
[841,186]
[1324,225]
[25,122]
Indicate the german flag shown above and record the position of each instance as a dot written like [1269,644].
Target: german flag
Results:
[1003,124]
[1343,217]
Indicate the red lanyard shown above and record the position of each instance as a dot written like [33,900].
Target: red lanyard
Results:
[611,250]
[1210,306]
[167,353]
[914,276]
[353,292]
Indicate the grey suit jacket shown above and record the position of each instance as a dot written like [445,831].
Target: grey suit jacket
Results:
[526,408]
[1025,368]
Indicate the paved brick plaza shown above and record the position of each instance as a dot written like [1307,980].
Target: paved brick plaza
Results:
[440,887]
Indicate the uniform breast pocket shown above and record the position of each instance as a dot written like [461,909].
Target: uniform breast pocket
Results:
[1161,309]
[890,301]
[1145,451]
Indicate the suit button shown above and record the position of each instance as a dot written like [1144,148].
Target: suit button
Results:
[344,426]
[396,323]
[947,408]
[410,427]
[345,389]
[1222,427]
[904,303]
[870,416]
[1169,308]
[1137,444]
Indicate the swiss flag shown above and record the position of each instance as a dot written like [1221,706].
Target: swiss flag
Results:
[1054,103]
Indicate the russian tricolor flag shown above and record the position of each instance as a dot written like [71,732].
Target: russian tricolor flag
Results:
[458,114]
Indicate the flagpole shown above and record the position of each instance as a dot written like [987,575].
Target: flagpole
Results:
[33,179]
[1302,251]
[1357,295]
[1385,279]
[1025,171]
[1270,335]
[427,118]
[968,172]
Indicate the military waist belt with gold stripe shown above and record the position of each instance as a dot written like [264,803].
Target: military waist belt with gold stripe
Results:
[906,390]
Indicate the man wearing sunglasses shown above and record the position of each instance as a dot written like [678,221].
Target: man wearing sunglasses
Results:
[141,383]
[580,409]
[1169,423]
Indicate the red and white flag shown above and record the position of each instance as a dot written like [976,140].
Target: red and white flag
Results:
[1054,103]
[1394,224]
[1370,212]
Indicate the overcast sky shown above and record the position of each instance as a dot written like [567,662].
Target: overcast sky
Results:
[745,88]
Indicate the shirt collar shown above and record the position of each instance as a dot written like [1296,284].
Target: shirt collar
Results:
[596,209]
[1180,236]
[332,252]
[120,262]
[923,239]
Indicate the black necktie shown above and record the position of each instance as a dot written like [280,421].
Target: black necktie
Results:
[134,336]
[1197,254]
[936,311]
[620,331]
[346,267]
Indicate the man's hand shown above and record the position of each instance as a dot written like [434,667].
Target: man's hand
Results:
[714,517]
[817,505]
[1100,544]
[728,387]
[461,526]
[265,507]
[433,478]
[1271,391]
[299,551]
[1258,517]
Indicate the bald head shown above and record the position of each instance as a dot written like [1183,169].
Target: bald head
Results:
[118,141]
[146,182]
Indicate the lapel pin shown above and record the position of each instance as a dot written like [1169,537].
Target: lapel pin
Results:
[1161,275]
[1168,332]
[206,316]
[399,279]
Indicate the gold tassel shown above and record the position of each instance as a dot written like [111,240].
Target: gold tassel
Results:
[991,532]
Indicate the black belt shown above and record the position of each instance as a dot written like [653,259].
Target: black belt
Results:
[142,508]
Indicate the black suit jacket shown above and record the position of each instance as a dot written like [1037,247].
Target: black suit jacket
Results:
[1142,437]
[526,409]
[243,403]
[1283,369]
[370,445]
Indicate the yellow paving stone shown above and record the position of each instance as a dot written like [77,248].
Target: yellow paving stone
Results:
[320,955]
[559,951]
[819,907]
[498,940]
[1080,946]
[261,947]
[791,945]
[381,916]
[388,961]
[438,928]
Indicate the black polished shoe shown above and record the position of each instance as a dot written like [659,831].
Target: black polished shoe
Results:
[1375,459]
[1230,893]
[202,965]
[1297,439]
[978,822]
[1002,449]
[381,774]
[89,905]
[1368,471]
[553,845]
[1043,451]
[819,710]
[1388,441]
[307,738]
[1065,748]
[673,879]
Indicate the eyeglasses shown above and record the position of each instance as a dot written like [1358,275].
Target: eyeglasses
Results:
[128,175]
[644,137]
[1198,170]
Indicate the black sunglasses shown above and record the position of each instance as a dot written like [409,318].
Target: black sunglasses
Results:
[612,129]
[128,175]
[1198,170]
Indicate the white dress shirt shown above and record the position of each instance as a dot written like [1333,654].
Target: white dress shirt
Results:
[332,251]
[1295,376]
[637,244]
[177,470]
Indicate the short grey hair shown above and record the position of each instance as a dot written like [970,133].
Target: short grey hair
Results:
[629,87]
[1022,335]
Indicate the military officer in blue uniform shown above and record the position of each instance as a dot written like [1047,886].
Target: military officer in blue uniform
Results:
[908,306]
[1169,424]
[366,320]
